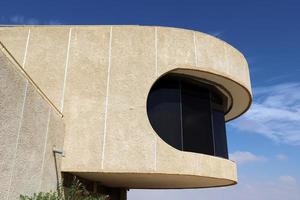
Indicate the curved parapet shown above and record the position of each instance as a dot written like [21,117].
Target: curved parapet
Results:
[100,79]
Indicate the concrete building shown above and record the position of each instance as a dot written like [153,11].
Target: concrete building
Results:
[130,106]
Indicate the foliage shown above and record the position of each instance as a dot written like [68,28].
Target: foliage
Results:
[76,191]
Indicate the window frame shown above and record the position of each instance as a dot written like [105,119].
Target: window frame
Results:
[215,97]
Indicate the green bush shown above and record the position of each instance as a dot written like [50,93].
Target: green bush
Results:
[77,191]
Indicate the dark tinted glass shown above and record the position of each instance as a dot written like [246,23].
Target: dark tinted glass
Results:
[188,115]
[196,118]
[220,134]
[164,111]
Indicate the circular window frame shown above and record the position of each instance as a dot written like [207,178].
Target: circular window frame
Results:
[178,80]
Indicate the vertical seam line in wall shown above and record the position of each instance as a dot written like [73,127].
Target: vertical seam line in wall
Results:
[226,61]
[65,73]
[195,49]
[44,151]
[17,140]
[106,98]
[156,75]
[156,69]
[26,49]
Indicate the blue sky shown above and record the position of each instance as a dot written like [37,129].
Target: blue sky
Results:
[266,141]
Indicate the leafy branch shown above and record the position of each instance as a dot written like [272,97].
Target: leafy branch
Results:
[76,191]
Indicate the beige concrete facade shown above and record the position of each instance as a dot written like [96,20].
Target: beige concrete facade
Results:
[29,129]
[99,77]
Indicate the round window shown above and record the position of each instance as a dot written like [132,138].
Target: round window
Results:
[188,114]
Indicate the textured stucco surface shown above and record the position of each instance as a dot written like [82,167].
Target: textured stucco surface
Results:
[12,89]
[46,60]
[99,78]
[15,40]
[85,91]
[29,128]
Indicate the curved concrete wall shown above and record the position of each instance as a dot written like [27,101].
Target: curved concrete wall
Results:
[99,77]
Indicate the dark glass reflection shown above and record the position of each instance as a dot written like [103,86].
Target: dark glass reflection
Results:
[164,111]
[196,119]
[188,115]
[220,134]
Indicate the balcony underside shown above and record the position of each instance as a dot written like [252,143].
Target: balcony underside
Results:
[154,180]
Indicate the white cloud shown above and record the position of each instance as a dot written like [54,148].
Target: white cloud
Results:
[242,157]
[288,180]
[285,187]
[217,34]
[281,157]
[19,19]
[22,20]
[275,113]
